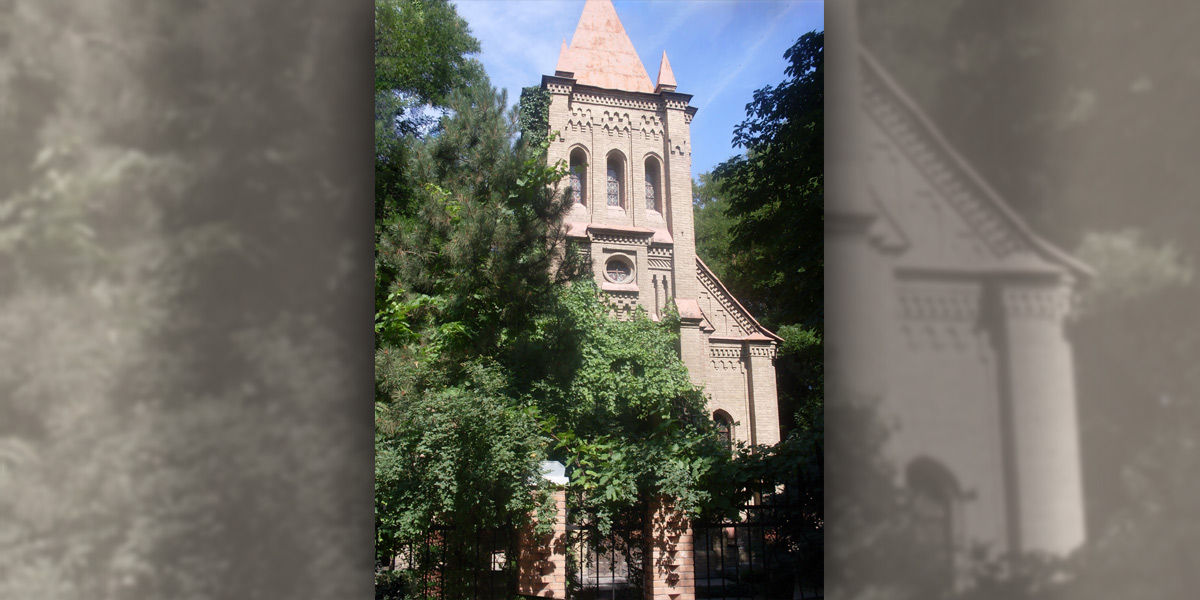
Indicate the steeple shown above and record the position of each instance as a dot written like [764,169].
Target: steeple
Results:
[564,68]
[601,53]
[666,78]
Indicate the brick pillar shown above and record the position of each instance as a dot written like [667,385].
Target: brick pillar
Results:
[764,398]
[669,560]
[542,562]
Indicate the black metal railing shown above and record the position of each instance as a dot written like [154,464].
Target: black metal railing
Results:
[770,551]
[605,567]
[448,563]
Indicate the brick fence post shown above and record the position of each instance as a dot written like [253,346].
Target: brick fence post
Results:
[669,559]
[542,560]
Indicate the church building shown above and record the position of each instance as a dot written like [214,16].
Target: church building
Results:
[627,141]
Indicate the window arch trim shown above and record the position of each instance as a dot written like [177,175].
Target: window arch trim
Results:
[578,181]
[654,185]
[725,427]
[617,179]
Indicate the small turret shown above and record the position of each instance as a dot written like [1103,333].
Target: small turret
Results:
[666,77]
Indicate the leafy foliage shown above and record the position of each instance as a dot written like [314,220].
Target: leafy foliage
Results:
[422,47]
[625,416]
[534,110]
[422,54]
[714,230]
[480,257]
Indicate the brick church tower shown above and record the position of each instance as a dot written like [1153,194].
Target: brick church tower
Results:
[628,143]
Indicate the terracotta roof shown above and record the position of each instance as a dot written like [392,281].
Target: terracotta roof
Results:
[601,53]
[666,77]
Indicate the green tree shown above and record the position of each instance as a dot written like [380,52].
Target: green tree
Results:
[476,263]
[422,54]
[714,230]
[776,192]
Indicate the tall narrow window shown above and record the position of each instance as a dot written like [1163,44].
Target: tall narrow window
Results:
[615,180]
[724,428]
[578,176]
[652,185]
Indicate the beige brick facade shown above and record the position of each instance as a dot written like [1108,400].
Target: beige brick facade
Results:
[636,224]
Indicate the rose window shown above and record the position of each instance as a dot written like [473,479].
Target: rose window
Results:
[618,270]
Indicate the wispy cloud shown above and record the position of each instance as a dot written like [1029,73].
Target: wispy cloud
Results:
[680,18]
[748,56]
[517,37]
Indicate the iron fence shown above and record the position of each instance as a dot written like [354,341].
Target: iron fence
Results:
[605,567]
[449,563]
[772,550]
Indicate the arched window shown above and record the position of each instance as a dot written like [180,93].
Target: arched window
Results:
[616,180]
[724,428]
[934,494]
[653,185]
[578,176]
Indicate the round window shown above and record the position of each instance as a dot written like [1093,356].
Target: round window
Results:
[618,270]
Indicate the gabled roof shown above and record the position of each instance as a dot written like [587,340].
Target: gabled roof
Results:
[601,53]
[756,332]
[1002,220]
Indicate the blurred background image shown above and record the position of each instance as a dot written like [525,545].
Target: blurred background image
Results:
[1011,300]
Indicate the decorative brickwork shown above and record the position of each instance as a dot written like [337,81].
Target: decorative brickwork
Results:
[618,238]
[1037,303]
[724,300]
[920,303]
[614,100]
[558,88]
[988,220]
[622,304]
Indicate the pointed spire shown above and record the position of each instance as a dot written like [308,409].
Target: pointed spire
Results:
[666,77]
[564,68]
[602,54]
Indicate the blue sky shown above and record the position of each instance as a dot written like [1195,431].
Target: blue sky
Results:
[720,50]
